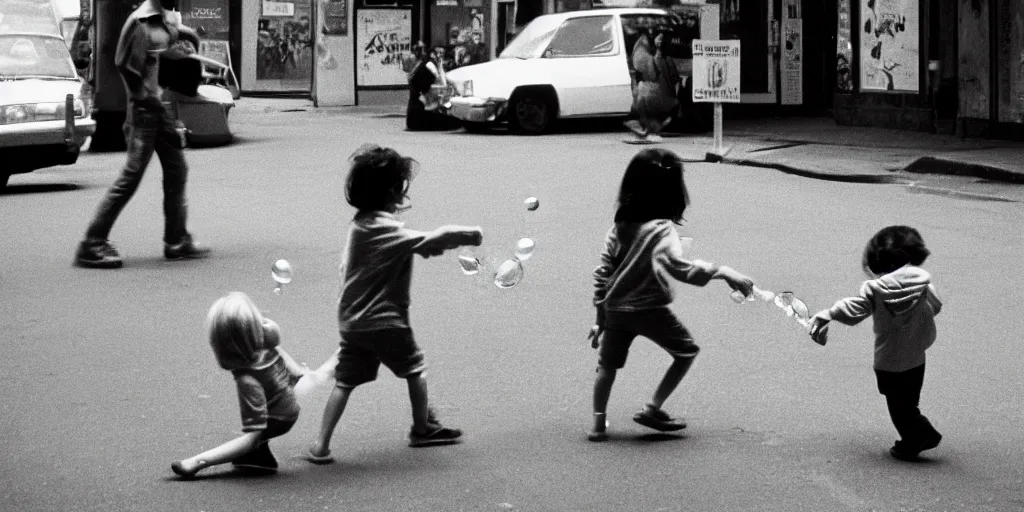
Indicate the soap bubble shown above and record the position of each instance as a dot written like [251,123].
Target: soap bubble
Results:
[508,274]
[524,248]
[532,203]
[281,271]
[470,264]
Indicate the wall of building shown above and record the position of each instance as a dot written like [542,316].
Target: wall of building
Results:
[973,66]
[1010,41]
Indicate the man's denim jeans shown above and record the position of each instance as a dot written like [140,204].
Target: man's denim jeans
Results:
[148,129]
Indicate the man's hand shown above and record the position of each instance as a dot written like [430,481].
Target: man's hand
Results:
[595,336]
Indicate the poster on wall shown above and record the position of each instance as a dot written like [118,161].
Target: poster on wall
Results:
[792,54]
[383,39]
[889,45]
[335,18]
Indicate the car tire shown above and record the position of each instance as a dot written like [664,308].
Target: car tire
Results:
[530,114]
[472,127]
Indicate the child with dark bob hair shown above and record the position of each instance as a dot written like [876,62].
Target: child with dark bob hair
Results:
[632,293]
[373,307]
[903,302]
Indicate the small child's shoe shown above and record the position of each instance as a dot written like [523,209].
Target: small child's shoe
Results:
[259,459]
[435,435]
[931,442]
[599,433]
[658,419]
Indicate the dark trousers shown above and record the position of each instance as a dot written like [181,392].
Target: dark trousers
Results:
[902,392]
[149,128]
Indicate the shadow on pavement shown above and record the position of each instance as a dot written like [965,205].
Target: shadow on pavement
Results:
[659,437]
[38,188]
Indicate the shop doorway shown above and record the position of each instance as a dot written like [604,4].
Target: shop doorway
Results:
[284,47]
[505,24]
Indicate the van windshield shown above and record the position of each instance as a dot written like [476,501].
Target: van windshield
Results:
[533,39]
[28,16]
[34,56]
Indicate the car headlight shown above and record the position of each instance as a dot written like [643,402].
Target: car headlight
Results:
[464,88]
[33,112]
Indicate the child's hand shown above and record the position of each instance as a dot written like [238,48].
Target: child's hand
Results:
[819,330]
[736,280]
[595,336]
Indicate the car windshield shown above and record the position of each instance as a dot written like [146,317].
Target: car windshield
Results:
[533,39]
[34,56]
[28,16]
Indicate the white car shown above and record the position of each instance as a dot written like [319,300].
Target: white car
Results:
[43,118]
[566,65]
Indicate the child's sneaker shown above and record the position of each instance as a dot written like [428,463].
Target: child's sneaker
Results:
[435,435]
[658,420]
[899,451]
[260,459]
[599,433]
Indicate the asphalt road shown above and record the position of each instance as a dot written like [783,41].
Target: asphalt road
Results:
[108,377]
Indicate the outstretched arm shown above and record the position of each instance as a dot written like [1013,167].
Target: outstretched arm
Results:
[448,237]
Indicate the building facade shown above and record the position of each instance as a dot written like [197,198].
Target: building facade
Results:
[945,66]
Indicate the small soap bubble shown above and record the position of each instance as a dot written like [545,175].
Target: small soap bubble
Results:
[277,290]
[524,248]
[532,203]
[470,265]
[282,271]
[508,274]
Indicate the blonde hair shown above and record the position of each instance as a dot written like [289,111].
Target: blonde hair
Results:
[236,331]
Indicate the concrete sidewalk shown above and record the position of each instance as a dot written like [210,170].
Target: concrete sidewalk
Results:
[807,146]
[819,146]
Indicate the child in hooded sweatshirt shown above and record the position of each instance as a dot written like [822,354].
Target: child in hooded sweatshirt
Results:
[904,303]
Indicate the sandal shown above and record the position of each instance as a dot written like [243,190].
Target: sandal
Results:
[318,459]
[599,434]
[658,420]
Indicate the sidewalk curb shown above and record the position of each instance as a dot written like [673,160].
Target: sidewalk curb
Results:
[933,165]
[820,175]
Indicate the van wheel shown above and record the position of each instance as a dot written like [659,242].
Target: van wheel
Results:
[530,114]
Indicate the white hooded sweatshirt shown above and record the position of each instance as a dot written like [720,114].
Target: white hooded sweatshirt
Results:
[904,304]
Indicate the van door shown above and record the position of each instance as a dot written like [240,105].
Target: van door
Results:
[586,65]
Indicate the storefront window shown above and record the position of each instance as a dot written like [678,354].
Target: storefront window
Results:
[460,31]
[844,50]
[284,48]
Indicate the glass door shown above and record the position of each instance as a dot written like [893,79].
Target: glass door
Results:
[284,47]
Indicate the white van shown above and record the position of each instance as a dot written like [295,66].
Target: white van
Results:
[43,117]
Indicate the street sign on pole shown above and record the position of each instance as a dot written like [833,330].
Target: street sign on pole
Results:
[716,79]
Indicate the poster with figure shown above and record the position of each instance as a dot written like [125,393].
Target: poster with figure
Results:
[889,45]
[792,68]
[383,42]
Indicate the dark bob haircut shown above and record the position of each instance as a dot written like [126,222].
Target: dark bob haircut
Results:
[379,178]
[652,188]
[892,248]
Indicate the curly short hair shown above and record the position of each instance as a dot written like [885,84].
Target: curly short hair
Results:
[893,247]
[378,179]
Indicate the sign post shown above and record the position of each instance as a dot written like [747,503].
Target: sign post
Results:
[716,79]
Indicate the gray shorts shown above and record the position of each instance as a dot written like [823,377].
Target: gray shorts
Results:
[362,352]
[659,325]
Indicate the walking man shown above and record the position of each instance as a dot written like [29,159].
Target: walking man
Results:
[150,30]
